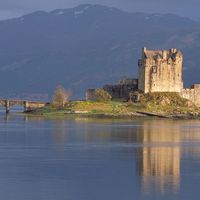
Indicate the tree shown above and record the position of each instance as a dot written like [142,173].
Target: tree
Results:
[102,95]
[60,97]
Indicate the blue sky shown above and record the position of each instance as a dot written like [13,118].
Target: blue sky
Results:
[188,8]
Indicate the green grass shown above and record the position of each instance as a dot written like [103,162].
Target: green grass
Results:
[167,102]
[161,103]
[90,107]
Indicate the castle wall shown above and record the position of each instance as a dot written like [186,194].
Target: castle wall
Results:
[164,77]
[141,75]
[119,91]
[122,89]
[192,94]
[90,95]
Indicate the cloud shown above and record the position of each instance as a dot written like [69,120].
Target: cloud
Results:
[12,8]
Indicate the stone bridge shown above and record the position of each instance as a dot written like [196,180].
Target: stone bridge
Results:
[27,105]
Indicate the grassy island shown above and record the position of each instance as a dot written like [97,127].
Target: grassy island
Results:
[155,104]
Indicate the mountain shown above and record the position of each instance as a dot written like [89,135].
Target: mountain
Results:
[87,46]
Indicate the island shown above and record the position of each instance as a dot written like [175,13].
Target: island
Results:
[158,91]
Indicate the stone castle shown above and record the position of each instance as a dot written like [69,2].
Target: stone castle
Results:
[158,71]
[161,71]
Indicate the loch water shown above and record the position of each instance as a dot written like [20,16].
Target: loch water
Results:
[95,159]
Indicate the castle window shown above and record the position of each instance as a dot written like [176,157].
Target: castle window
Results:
[154,69]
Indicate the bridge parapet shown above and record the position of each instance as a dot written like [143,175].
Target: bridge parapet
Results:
[28,105]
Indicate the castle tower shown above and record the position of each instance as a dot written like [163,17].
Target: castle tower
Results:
[160,71]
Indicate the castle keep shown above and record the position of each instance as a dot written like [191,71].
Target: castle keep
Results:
[158,71]
[161,71]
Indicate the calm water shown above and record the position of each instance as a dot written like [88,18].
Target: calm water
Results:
[84,159]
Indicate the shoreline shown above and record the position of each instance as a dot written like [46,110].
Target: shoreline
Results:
[139,114]
[151,107]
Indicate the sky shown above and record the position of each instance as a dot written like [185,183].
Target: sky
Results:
[187,8]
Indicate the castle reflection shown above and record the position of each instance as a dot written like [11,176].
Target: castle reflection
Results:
[158,153]
[160,156]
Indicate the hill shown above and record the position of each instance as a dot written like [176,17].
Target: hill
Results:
[87,46]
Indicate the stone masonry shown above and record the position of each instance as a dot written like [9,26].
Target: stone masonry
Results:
[192,94]
[160,71]
[122,89]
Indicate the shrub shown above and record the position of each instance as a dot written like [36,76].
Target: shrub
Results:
[102,95]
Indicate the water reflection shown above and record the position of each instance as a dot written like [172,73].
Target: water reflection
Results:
[159,158]
[60,132]
[147,153]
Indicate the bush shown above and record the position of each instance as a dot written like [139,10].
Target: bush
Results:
[164,99]
[102,95]
[60,97]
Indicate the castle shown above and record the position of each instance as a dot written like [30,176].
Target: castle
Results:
[158,71]
[161,71]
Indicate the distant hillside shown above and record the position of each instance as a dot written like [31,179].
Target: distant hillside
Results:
[87,46]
